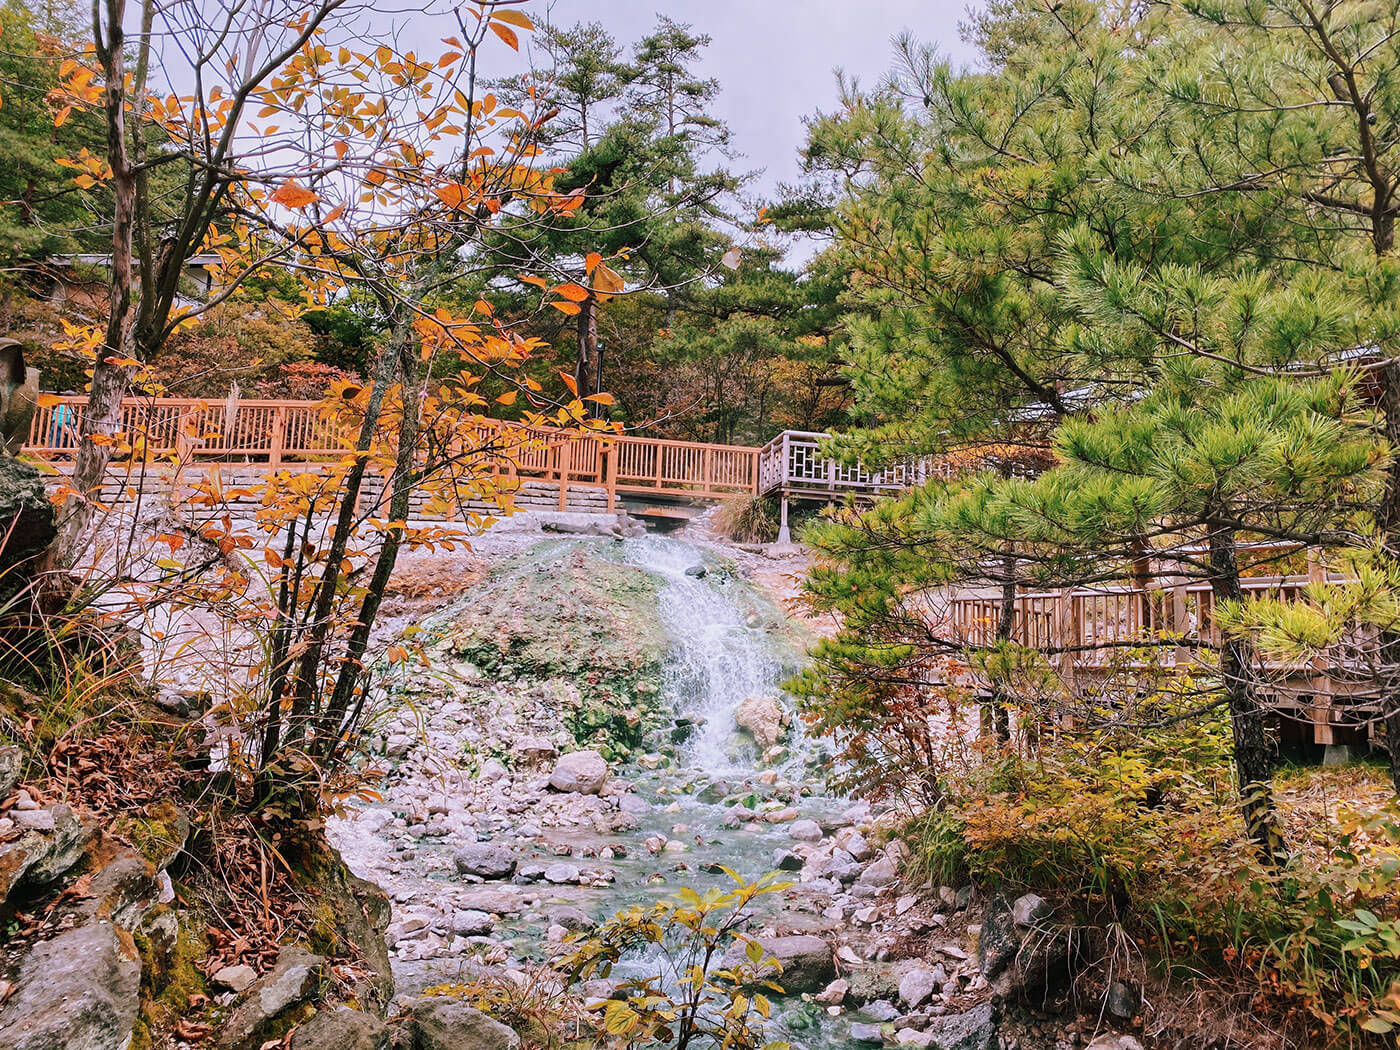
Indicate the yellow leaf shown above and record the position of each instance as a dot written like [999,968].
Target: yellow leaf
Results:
[506,34]
[608,281]
[291,195]
[515,18]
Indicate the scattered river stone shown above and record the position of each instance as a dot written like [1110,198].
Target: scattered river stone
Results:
[560,874]
[866,1033]
[584,772]
[805,831]
[469,922]
[916,986]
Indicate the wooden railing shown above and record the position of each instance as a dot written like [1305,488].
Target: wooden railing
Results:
[1089,625]
[793,463]
[297,434]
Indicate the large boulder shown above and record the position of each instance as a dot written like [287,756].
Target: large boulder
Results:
[342,1030]
[26,519]
[999,940]
[52,842]
[486,860]
[974,1030]
[806,961]
[278,997]
[78,991]
[584,772]
[763,718]
[440,1022]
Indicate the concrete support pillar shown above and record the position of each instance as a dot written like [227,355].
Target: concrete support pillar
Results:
[784,533]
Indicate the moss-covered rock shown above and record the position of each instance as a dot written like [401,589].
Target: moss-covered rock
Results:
[348,915]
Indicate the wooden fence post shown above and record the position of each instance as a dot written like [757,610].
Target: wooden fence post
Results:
[611,453]
[278,437]
[564,466]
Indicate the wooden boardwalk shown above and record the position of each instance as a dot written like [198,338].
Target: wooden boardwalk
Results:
[1085,632]
[252,434]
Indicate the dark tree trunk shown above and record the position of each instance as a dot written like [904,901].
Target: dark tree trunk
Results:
[1254,752]
[1388,521]
[586,349]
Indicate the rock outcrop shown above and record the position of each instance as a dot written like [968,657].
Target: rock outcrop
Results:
[274,1002]
[763,718]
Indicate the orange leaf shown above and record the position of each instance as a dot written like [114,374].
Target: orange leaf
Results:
[508,398]
[454,194]
[506,34]
[515,18]
[566,308]
[591,260]
[48,400]
[293,196]
[575,293]
[602,399]
[569,382]
[538,282]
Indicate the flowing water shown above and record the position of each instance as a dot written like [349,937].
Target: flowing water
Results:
[729,642]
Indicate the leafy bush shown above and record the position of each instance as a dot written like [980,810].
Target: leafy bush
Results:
[1139,828]
[698,996]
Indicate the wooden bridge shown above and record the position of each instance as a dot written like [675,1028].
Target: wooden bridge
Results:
[245,437]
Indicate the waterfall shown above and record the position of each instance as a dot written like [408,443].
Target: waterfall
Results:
[722,655]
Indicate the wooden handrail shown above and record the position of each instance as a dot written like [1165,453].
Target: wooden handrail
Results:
[278,434]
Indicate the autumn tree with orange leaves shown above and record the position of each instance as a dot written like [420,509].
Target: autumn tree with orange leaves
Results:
[373,172]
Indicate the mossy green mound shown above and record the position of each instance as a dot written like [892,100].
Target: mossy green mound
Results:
[569,613]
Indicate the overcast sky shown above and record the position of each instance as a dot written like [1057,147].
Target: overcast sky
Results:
[775,59]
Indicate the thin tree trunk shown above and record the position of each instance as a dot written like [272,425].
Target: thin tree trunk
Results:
[110,376]
[998,711]
[587,348]
[1254,753]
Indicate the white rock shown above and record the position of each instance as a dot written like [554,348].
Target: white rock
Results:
[805,831]
[763,718]
[583,772]
[916,986]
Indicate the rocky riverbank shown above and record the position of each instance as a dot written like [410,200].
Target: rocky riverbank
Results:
[508,822]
